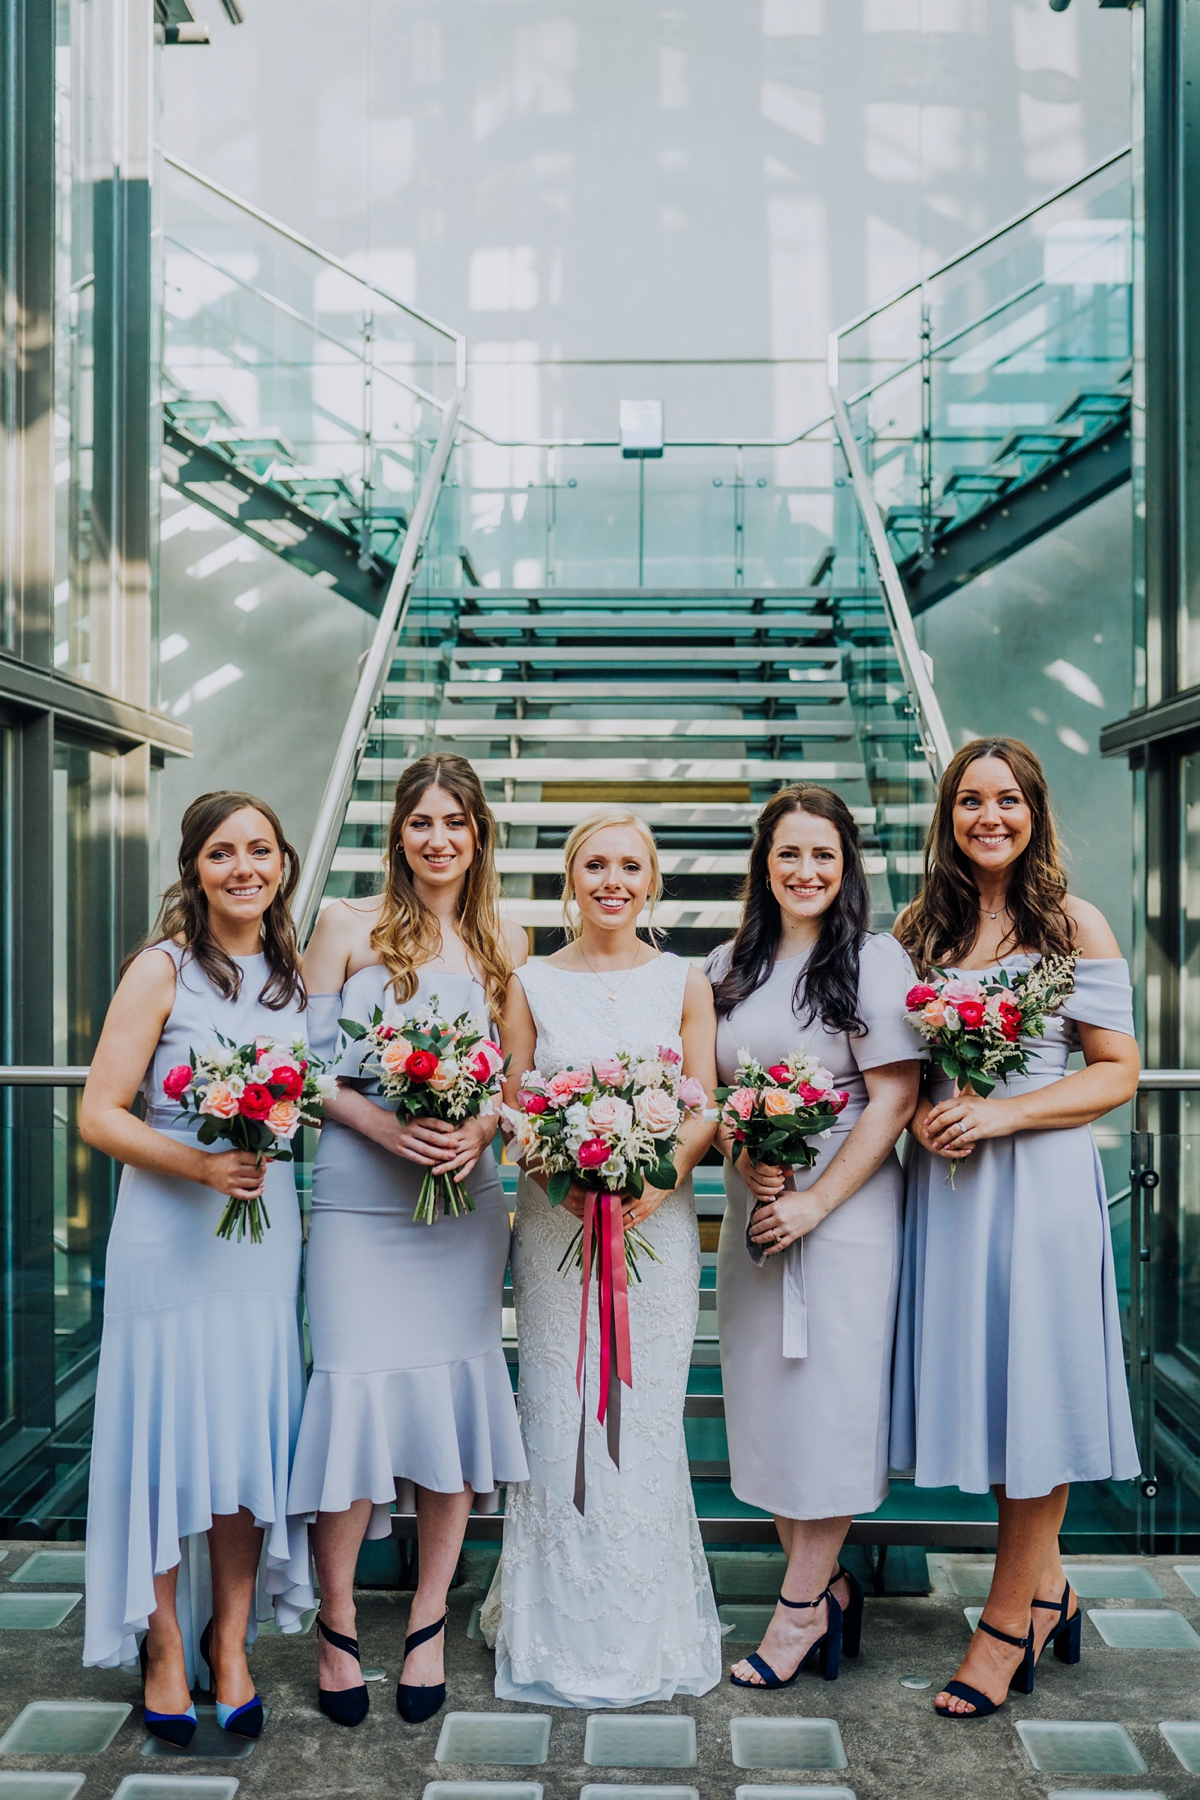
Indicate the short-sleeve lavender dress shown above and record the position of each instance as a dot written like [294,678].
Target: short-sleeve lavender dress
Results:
[1009,1362]
[806,1336]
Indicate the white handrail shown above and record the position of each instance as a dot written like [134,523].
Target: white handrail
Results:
[935,737]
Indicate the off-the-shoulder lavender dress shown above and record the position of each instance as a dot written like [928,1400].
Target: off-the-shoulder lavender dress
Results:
[1009,1362]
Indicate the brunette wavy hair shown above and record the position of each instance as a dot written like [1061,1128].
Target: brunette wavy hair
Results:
[827,986]
[407,933]
[183,913]
[942,923]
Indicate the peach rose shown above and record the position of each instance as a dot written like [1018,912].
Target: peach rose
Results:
[935,1014]
[777,1102]
[656,1111]
[610,1113]
[220,1101]
[394,1055]
[283,1118]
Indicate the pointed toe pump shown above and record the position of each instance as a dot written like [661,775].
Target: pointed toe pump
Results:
[173,1728]
[1067,1635]
[416,1704]
[1021,1683]
[826,1652]
[243,1721]
[348,1706]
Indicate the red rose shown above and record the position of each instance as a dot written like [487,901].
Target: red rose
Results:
[970,1012]
[592,1154]
[781,1073]
[534,1103]
[290,1080]
[177,1081]
[256,1100]
[421,1064]
[1010,1020]
[919,996]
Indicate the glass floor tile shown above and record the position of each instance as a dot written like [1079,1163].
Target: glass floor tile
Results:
[749,1792]
[640,1740]
[483,1790]
[1106,1794]
[1189,1574]
[787,1744]
[65,1727]
[1080,1747]
[479,1737]
[747,1624]
[177,1787]
[970,1581]
[1183,1735]
[35,1612]
[1112,1581]
[50,1566]
[44,1784]
[622,1790]
[1143,1628]
[748,1573]
[210,1744]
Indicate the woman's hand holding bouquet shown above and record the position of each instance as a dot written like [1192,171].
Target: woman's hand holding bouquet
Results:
[771,1114]
[433,1068]
[253,1096]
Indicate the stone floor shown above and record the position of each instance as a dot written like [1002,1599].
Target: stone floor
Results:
[894,1745]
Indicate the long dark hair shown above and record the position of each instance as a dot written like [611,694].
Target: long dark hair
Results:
[942,923]
[827,986]
[407,933]
[183,915]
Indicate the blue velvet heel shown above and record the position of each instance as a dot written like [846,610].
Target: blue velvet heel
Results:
[1021,1683]
[416,1704]
[173,1728]
[1067,1635]
[345,1706]
[826,1652]
[243,1721]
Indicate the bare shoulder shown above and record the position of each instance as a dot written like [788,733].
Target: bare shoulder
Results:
[516,940]
[1092,932]
[697,992]
[146,992]
[345,922]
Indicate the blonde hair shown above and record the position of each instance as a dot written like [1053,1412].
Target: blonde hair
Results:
[408,934]
[587,828]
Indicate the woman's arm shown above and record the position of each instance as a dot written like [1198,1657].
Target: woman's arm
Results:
[891,1095]
[134,1023]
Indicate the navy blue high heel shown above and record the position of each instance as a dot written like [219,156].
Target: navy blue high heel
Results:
[1021,1683]
[826,1651]
[245,1720]
[345,1706]
[852,1615]
[173,1728]
[416,1704]
[1067,1635]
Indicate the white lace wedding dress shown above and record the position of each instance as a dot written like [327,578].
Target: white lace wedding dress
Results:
[613,1608]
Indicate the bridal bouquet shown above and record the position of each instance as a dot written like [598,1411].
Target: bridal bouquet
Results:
[775,1111]
[975,1027]
[252,1095]
[433,1068]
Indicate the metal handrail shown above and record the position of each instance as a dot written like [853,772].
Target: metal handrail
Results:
[51,1075]
[374,674]
[334,262]
[935,736]
[979,243]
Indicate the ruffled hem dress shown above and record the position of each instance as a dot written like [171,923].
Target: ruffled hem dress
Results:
[201,1376]
[1009,1359]
[409,1385]
[806,1336]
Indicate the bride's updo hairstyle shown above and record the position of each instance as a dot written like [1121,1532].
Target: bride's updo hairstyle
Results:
[407,934]
[942,923]
[587,828]
[183,914]
[827,985]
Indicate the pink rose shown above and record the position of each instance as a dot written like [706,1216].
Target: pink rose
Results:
[283,1118]
[919,996]
[811,1096]
[742,1102]
[781,1073]
[668,1056]
[591,1154]
[610,1113]
[220,1101]
[567,1083]
[955,992]
[610,1070]
[533,1103]
[656,1111]
[691,1092]
[176,1082]
[485,1061]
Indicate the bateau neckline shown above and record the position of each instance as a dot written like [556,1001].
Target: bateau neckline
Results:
[599,974]
[458,974]
[1025,956]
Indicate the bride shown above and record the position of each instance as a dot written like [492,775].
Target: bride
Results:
[612,1607]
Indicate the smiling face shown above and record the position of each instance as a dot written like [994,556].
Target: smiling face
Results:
[240,867]
[439,840]
[992,819]
[805,865]
[612,876]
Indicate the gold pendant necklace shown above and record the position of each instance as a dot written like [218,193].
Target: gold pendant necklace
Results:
[599,977]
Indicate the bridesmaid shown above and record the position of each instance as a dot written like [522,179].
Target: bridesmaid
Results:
[1010,1372]
[409,1385]
[201,1377]
[807,1283]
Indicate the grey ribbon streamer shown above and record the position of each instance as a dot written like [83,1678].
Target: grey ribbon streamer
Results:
[795,1300]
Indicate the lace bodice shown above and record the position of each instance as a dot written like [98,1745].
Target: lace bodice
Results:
[577,1019]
